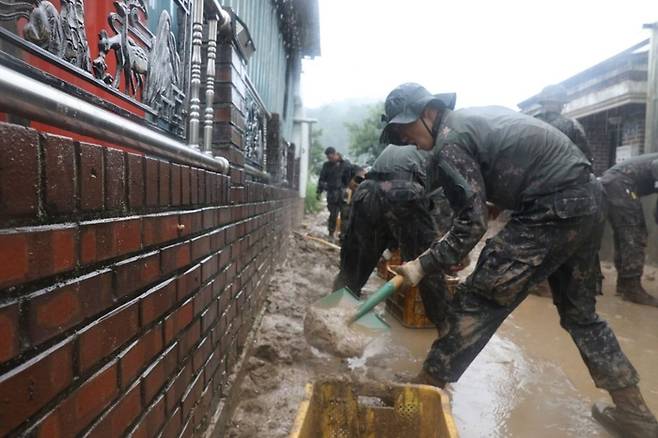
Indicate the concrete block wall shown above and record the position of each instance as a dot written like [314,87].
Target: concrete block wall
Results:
[128,285]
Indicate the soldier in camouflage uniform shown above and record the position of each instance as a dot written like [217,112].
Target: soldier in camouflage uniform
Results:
[332,181]
[353,176]
[520,164]
[390,209]
[625,184]
[552,100]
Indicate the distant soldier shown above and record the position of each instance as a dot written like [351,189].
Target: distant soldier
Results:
[552,100]
[331,181]
[625,184]
[352,177]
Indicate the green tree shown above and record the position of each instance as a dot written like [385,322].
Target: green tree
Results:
[364,136]
[316,154]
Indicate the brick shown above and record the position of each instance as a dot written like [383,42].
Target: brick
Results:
[105,239]
[19,172]
[135,181]
[200,247]
[173,425]
[192,222]
[209,187]
[202,299]
[60,174]
[209,218]
[164,187]
[177,387]
[82,406]
[160,228]
[27,388]
[36,252]
[178,320]
[175,257]
[185,185]
[157,301]
[217,240]
[175,184]
[157,374]
[150,424]
[9,341]
[188,429]
[119,416]
[189,339]
[202,187]
[107,334]
[91,177]
[202,411]
[192,395]
[208,318]
[152,185]
[135,273]
[194,186]
[209,267]
[58,308]
[188,282]
[201,354]
[134,358]
[115,180]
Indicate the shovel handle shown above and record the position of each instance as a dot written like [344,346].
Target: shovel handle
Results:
[380,295]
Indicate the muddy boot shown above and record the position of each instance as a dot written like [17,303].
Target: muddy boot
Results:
[630,417]
[631,290]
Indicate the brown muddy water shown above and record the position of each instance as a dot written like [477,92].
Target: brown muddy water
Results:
[528,381]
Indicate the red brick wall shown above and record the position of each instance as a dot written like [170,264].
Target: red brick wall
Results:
[128,285]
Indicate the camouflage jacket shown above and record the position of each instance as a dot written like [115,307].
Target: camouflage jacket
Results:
[571,128]
[498,155]
[332,175]
[642,171]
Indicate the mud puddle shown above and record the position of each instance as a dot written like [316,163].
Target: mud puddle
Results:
[528,381]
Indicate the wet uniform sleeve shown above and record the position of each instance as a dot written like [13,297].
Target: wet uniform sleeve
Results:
[581,141]
[322,180]
[459,175]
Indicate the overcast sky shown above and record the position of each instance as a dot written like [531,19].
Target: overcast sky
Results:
[489,52]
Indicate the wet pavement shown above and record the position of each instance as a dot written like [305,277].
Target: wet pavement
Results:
[528,381]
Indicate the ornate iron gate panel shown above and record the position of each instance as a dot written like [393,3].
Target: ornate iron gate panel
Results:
[131,56]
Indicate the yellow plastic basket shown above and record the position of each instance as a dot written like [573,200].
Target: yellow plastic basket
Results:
[335,409]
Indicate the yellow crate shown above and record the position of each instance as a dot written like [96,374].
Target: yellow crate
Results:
[406,304]
[335,409]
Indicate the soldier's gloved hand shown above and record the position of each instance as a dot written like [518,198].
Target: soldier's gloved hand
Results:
[411,271]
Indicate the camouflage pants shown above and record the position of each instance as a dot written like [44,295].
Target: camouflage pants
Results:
[385,215]
[628,226]
[557,238]
[334,203]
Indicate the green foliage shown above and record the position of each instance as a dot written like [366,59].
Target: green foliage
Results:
[332,117]
[311,203]
[316,154]
[364,136]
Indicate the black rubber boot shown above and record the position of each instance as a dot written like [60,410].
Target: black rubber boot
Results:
[630,417]
[630,289]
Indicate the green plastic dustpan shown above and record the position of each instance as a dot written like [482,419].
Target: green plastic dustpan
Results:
[363,315]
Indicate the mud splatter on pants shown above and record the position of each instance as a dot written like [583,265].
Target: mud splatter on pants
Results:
[556,237]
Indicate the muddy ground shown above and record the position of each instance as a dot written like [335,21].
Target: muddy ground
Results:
[528,380]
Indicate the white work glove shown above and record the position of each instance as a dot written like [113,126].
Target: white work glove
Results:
[411,271]
[387,254]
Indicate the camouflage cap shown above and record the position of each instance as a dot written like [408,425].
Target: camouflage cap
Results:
[405,104]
